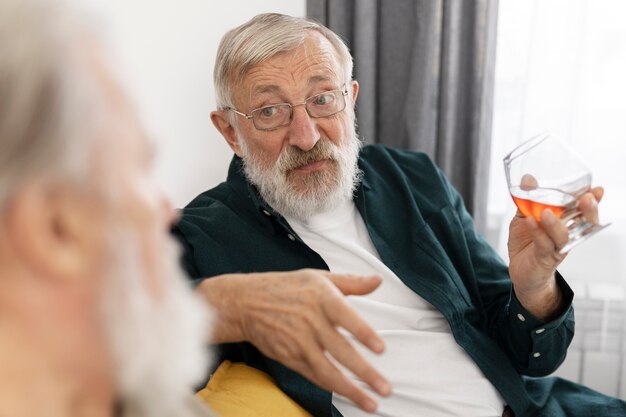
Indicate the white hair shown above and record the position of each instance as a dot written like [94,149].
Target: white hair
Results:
[45,97]
[261,38]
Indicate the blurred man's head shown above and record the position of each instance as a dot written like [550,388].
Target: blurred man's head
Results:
[87,270]
[286,99]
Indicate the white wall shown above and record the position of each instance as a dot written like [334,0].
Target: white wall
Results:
[167,50]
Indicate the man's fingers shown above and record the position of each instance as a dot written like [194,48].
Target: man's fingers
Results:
[555,236]
[588,205]
[528,183]
[343,352]
[324,373]
[340,313]
[598,193]
[354,284]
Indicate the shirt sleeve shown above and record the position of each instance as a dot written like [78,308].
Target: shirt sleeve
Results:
[545,343]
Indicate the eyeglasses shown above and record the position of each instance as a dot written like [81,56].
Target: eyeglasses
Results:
[320,105]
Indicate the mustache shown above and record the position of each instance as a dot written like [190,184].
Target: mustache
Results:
[294,157]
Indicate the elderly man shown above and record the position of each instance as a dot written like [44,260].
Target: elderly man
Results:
[459,327]
[96,317]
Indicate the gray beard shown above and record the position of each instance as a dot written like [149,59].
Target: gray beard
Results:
[159,345]
[319,192]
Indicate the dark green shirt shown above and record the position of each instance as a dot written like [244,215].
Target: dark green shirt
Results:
[423,233]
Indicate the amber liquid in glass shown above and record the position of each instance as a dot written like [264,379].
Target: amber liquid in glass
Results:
[534,202]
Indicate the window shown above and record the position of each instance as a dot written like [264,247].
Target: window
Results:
[561,67]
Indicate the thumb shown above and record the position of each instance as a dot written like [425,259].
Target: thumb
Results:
[350,284]
[598,193]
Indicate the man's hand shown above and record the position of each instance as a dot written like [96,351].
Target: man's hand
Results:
[534,255]
[292,317]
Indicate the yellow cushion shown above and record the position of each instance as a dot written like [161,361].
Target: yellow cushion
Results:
[238,390]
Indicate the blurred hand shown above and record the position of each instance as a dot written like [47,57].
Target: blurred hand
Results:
[292,317]
[534,253]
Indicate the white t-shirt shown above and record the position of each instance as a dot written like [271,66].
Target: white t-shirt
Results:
[430,374]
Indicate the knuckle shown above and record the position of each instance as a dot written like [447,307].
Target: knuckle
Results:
[292,349]
[367,373]
[311,322]
[347,388]
[361,331]
[328,375]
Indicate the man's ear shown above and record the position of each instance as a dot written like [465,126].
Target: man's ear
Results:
[355,91]
[52,230]
[221,123]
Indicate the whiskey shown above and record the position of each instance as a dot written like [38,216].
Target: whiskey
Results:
[534,202]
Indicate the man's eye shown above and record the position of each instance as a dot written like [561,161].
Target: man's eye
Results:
[323,99]
[270,111]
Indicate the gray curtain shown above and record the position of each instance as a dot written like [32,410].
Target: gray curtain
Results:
[426,70]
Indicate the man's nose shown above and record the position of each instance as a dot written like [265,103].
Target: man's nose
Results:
[303,131]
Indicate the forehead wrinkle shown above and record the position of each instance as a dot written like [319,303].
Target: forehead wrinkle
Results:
[312,62]
[317,49]
[259,81]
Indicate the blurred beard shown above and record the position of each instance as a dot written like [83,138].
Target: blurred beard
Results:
[159,344]
[302,195]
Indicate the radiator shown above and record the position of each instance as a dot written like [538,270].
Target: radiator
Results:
[597,355]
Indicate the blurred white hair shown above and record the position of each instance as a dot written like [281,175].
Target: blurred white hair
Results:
[46,100]
[261,38]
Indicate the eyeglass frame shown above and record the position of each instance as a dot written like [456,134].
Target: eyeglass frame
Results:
[344,93]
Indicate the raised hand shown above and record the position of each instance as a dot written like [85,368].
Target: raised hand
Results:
[293,317]
[534,253]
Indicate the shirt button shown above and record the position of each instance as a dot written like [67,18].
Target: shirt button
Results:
[520,317]
[539,331]
[291,237]
[267,213]
[536,354]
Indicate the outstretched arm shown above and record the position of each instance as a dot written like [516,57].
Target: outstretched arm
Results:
[293,318]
